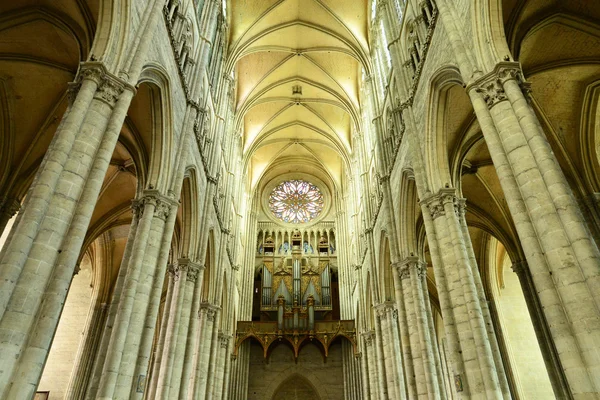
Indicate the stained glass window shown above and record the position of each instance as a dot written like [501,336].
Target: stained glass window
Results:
[296,201]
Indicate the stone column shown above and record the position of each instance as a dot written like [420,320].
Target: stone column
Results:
[413,272]
[159,348]
[366,379]
[382,325]
[90,393]
[38,261]
[465,316]
[126,339]
[227,373]
[402,328]
[562,256]
[176,325]
[214,346]
[185,338]
[372,365]
[220,368]
[207,319]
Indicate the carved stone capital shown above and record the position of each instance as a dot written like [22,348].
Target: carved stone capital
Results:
[191,267]
[519,267]
[109,86]
[369,337]
[491,85]
[210,310]
[224,340]
[163,205]
[436,204]
[412,265]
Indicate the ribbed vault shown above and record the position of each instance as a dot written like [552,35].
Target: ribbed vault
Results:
[298,66]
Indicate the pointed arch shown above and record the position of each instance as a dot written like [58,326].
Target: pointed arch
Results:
[157,99]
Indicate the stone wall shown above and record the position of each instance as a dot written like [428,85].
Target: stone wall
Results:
[279,374]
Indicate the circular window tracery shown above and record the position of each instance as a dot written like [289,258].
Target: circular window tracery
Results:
[296,201]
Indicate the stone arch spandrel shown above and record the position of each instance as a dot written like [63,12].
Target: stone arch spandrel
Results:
[296,371]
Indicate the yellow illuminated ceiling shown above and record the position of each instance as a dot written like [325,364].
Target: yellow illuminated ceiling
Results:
[298,66]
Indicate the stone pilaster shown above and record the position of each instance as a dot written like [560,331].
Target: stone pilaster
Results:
[562,256]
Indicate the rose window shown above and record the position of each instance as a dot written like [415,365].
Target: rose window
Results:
[296,201]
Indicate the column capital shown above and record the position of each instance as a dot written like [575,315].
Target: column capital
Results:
[519,267]
[224,340]
[435,203]
[209,309]
[380,310]
[163,205]
[369,336]
[491,85]
[411,264]
[193,268]
[110,87]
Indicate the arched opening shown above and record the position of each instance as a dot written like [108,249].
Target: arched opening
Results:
[523,350]
[295,387]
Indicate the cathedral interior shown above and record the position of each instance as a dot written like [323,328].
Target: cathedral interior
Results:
[299,199]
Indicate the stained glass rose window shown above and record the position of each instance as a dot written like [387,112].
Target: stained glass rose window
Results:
[296,201]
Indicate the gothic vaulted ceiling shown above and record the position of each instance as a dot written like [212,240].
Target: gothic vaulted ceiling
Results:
[298,65]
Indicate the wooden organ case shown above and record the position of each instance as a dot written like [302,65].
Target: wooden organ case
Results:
[295,292]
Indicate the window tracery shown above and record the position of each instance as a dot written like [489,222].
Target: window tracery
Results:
[296,201]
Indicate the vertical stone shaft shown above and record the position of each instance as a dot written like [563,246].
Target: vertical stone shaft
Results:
[116,345]
[208,312]
[178,382]
[383,330]
[214,345]
[380,357]
[404,342]
[562,256]
[366,389]
[413,333]
[227,373]
[417,272]
[131,379]
[179,274]
[113,307]
[160,345]
[461,208]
